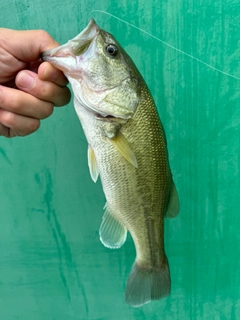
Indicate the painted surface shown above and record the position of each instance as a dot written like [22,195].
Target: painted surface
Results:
[52,264]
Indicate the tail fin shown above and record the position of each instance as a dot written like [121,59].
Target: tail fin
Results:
[144,285]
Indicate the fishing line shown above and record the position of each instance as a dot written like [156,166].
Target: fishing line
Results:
[166,44]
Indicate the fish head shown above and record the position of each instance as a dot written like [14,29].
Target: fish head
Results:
[103,77]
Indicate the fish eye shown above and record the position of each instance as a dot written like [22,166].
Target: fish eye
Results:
[112,50]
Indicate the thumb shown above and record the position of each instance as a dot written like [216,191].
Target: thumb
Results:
[26,45]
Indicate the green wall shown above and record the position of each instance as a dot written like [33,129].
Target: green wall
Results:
[52,264]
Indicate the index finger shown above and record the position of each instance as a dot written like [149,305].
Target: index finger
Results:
[48,72]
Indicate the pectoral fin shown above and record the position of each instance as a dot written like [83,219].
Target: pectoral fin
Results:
[92,164]
[173,204]
[123,146]
[112,233]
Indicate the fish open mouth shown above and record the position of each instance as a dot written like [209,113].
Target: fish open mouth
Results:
[75,47]
[81,42]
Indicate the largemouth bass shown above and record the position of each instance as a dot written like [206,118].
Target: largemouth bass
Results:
[127,148]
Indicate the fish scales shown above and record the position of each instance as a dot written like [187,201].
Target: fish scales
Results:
[127,148]
[142,195]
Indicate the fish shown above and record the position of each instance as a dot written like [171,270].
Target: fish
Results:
[127,149]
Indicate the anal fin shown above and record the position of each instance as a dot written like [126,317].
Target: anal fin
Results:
[112,233]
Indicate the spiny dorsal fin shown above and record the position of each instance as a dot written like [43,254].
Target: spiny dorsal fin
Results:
[173,204]
[123,146]
[112,233]
[92,164]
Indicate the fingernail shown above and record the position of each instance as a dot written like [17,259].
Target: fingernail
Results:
[25,80]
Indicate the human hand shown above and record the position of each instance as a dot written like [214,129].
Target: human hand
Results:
[29,89]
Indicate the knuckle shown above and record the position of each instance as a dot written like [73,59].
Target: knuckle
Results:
[19,125]
[47,111]
[4,131]
[45,40]
[11,102]
[46,91]
[43,35]
[8,118]
[29,128]
[15,106]
[67,95]
[33,126]
[63,98]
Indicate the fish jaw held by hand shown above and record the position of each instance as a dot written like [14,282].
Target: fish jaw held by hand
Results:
[127,149]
